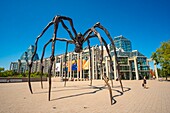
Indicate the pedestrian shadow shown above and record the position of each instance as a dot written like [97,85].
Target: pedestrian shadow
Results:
[146,88]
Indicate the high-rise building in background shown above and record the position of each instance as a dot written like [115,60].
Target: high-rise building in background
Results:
[21,65]
[28,54]
[123,43]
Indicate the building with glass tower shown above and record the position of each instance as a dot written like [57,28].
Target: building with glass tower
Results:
[133,64]
[21,65]
[123,43]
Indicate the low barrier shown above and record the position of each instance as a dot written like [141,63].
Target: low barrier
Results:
[13,80]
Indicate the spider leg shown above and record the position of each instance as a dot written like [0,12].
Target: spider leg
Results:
[88,33]
[111,62]
[98,25]
[105,78]
[70,21]
[35,50]
[107,49]
[42,57]
[90,62]
[58,19]
[52,58]
[65,63]
[69,32]
[65,40]
[68,41]
[55,21]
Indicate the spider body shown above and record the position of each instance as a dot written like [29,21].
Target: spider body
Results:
[78,40]
[79,43]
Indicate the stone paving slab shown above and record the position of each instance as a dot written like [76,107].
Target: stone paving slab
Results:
[79,97]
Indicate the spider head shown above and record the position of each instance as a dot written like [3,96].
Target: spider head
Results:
[79,43]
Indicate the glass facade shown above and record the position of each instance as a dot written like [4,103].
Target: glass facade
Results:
[133,64]
[123,43]
[28,54]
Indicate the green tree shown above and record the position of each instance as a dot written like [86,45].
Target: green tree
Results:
[1,69]
[162,57]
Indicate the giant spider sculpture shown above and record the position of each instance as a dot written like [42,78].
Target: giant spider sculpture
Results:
[78,39]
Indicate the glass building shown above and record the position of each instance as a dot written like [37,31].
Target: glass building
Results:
[21,65]
[123,43]
[133,65]
[28,54]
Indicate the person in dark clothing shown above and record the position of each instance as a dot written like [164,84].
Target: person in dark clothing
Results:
[144,82]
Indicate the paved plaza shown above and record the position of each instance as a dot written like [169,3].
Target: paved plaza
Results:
[79,97]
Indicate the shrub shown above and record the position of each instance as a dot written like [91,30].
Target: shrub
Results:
[10,73]
[6,73]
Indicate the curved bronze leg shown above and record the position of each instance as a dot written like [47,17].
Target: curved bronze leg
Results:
[101,60]
[104,76]
[52,58]
[111,62]
[96,34]
[49,75]
[90,62]
[65,63]
[35,50]
[42,57]
[112,42]
[29,76]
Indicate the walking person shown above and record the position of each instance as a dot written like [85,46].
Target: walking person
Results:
[144,82]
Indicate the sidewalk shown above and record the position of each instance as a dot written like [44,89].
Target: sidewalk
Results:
[79,97]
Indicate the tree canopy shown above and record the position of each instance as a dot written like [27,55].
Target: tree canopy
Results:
[162,56]
[1,69]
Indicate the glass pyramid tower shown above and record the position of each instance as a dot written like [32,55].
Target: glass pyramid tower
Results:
[28,54]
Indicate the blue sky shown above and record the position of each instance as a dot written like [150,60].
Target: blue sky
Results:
[145,22]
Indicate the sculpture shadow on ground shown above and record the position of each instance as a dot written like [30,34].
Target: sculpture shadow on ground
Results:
[97,89]
[120,93]
[80,94]
[72,88]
